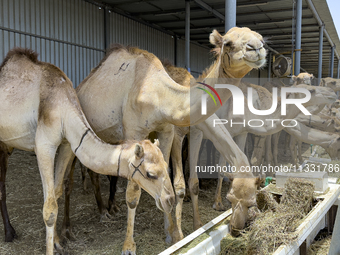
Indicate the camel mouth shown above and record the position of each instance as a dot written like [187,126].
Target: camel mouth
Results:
[255,64]
[159,204]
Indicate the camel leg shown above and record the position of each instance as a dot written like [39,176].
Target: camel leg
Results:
[275,144]
[179,184]
[165,139]
[257,156]
[9,230]
[292,147]
[287,142]
[112,206]
[45,152]
[64,162]
[95,180]
[68,185]
[218,204]
[268,150]
[240,140]
[83,175]
[195,139]
[299,144]
[133,193]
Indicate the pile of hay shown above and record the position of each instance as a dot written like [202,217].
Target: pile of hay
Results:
[320,247]
[274,223]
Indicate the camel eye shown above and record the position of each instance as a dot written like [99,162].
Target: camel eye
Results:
[151,176]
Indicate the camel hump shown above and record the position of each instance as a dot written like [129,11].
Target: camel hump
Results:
[30,54]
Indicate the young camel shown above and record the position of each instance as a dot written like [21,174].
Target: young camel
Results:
[151,101]
[41,112]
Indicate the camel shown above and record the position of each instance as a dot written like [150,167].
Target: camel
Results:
[332,83]
[219,134]
[295,145]
[151,101]
[40,112]
[303,78]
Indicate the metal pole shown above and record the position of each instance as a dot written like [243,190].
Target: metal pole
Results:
[230,15]
[331,66]
[187,35]
[106,28]
[270,66]
[338,74]
[320,54]
[298,37]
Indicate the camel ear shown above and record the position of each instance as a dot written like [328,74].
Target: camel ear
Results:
[156,142]
[216,38]
[139,151]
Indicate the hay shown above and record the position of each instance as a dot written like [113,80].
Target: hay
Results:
[275,223]
[320,247]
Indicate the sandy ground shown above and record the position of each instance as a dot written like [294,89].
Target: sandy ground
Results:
[25,203]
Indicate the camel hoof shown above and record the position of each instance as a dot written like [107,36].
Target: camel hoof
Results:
[10,235]
[197,226]
[219,206]
[106,217]
[66,233]
[59,250]
[168,239]
[128,252]
[113,209]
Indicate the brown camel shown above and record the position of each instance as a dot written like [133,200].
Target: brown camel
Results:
[41,112]
[150,100]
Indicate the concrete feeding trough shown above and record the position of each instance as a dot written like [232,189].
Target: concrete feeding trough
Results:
[207,239]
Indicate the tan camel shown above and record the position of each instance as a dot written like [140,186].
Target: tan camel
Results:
[220,136]
[40,112]
[295,145]
[303,78]
[332,83]
[150,100]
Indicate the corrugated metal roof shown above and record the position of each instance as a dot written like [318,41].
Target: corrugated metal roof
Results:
[271,18]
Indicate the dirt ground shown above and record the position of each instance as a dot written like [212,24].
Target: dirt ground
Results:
[25,203]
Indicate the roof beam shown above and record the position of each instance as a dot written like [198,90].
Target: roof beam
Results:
[269,21]
[206,7]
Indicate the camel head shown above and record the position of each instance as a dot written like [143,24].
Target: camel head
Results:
[303,78]
[239,50]
[319,95]
[146,167]
[242,196]
[332,83]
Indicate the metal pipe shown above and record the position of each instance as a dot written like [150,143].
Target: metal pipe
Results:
[270,66]
[298,37]
[187,35]
[317,17]
[106,28]
[331,65]
[230,15]
[320,54]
